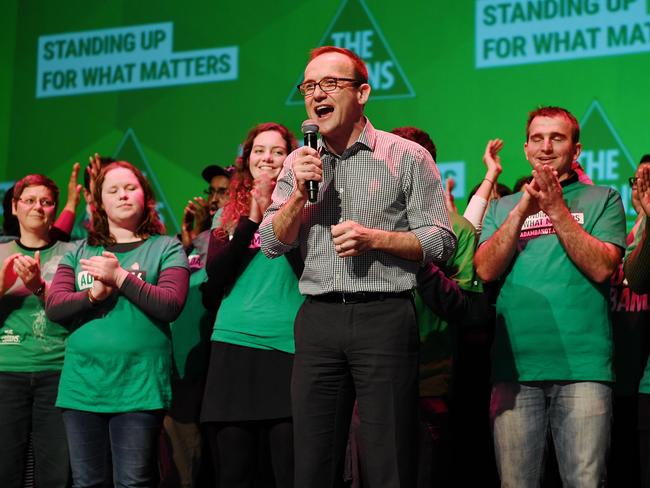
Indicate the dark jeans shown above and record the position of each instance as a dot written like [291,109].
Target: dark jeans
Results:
[130,439]
[27,405]
[368,350]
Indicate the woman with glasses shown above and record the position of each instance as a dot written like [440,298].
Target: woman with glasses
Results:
[31,346]
[246,403]
[117,292]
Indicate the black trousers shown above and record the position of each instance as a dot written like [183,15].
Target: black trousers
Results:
[368,350]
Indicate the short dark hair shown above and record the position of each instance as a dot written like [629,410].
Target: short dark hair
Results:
[645,159]
[552,111]
[213,170]
[360,69]
[417,135]
[36,180]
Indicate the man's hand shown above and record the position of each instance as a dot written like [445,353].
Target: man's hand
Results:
[195,214]
[450,183]
[74,189]
[306,167]
[94,167]
[546,190]
[643,189]
[351,238]
[492,159]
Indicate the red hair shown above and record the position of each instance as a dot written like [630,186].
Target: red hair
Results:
[241,183]
[556,112]
[360,70]
[99,234]
[37,180]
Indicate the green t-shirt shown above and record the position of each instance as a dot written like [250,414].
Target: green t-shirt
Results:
[644,385]
[29,342]
[120,360]
[260,309]
[436,345]
[552,321]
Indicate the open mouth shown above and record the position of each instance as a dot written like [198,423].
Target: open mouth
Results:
[324,110]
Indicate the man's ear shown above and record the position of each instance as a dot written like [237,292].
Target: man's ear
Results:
[578,150]
[363,93]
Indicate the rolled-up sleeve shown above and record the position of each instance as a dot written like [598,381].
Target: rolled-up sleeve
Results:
[272,247]
[426,211]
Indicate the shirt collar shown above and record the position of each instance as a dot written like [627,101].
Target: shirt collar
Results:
[366,140]
[573,178]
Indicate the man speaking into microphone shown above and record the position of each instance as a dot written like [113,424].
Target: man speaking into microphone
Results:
[379,215]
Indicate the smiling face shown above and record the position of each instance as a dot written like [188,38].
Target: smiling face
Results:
[339,113]
[267,154]
[35,209]
[550,142]
[122,198]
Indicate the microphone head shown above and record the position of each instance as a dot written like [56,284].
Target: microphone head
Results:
[309,127]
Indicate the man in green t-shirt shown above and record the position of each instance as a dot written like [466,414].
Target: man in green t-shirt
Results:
[552,248]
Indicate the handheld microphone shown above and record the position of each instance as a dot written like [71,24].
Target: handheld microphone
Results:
[309,130]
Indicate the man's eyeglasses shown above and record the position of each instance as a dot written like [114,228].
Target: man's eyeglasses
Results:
[307,88]
[30,202]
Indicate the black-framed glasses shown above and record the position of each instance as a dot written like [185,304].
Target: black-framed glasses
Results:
[632,180]
[328,84]
[30,202]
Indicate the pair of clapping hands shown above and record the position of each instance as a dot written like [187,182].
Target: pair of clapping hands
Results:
[107,274]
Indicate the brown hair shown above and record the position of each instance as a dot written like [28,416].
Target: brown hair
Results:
[241,182]
[556,112]
[150,225]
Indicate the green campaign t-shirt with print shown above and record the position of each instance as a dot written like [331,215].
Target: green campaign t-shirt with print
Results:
[260,309]
[119,359]
[436,345]
[29,342]
[552,321]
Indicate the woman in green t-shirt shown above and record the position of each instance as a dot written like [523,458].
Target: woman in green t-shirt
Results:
[117,293]
[247,390]
[31,347]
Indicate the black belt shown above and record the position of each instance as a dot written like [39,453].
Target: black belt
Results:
[359,297]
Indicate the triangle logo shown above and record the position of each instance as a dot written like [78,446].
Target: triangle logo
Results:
[604,156]
[355,28]
[129,149]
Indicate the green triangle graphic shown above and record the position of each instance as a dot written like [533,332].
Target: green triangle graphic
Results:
[129,149]
[604,156]
[355,28]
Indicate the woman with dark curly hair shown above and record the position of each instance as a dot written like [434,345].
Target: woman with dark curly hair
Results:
[246,398]
[117,292]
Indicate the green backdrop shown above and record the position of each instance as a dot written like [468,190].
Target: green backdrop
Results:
[465,71]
